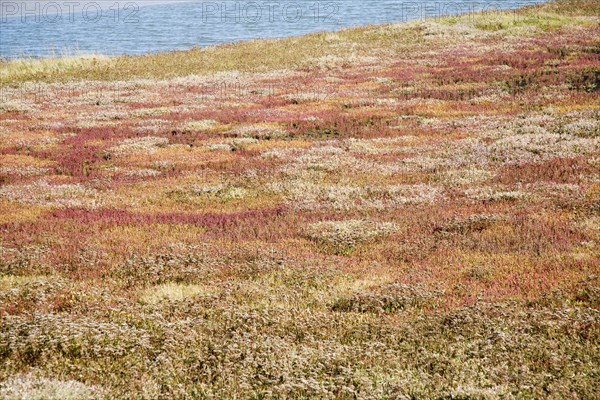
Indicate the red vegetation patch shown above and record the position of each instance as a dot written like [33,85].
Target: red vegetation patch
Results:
[560,170]
[112,217]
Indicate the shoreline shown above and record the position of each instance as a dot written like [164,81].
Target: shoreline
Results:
[213,58]
[419,13]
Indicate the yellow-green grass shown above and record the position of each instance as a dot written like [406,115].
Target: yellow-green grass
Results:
[173,292]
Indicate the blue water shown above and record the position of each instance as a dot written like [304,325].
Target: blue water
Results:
[48,28]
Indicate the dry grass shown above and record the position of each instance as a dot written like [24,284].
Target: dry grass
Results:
[399,211]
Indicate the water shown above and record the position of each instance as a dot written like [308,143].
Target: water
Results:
[71,27]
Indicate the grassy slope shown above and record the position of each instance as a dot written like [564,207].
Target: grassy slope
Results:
[267,55]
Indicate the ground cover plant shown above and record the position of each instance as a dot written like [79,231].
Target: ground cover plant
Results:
[390,212]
